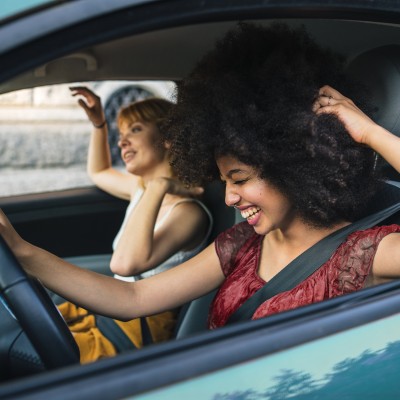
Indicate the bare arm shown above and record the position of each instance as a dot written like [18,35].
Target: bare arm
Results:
[386,265]
[99,166]
[112,297]
[140,247]
[360,127]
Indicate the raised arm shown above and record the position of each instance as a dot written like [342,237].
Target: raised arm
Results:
[112,297]
[386,265]
[361,128]
[141,247]
[99,166]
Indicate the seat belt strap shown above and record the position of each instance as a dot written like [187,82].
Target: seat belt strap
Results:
[110,329]
[146,334]
[307,263]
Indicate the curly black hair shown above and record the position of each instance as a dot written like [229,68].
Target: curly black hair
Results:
[251,98]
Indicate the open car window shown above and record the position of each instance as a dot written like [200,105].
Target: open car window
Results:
[45,133]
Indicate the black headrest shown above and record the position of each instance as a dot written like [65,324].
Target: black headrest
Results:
[214,199]
[387,195]
[379,70]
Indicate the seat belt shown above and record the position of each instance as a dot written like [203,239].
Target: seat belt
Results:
[307,263]
[110,329]
[147,338]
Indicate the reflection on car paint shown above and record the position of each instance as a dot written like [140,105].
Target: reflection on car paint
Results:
[350,363]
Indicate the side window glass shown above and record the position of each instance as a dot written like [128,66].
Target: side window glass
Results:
[45,134]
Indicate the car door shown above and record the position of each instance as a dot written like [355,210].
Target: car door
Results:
[347,347]
[77,224]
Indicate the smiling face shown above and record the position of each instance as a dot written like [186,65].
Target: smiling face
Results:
[263,206]
[142,149]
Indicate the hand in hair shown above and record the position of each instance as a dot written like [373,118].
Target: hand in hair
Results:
[356,122]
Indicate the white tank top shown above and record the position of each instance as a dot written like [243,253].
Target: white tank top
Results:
[177,258]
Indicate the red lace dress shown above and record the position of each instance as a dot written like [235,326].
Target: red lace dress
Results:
[239,250]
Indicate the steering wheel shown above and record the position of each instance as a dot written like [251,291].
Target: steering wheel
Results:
[36,313]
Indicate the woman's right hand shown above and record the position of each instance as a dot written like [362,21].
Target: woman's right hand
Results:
[359,126]
[91,104]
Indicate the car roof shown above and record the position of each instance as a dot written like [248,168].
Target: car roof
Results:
[161,48]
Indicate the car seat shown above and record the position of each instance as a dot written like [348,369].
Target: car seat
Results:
[193,316]
[379,70]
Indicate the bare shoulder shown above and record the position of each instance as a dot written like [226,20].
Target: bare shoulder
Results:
[189,220]
[386,263]
[192,207]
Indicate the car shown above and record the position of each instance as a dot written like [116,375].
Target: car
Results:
[347,347]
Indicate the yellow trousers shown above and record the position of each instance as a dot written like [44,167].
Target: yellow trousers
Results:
[93,345]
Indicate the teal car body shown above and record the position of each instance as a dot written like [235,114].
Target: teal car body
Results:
[11,8]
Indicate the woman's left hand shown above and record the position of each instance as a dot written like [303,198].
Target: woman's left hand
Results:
[359,125]
[173,186]
[9,234]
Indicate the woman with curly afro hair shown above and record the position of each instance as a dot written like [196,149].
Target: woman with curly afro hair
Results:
[263,111]
[251,98]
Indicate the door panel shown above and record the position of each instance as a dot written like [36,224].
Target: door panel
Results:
[67,223]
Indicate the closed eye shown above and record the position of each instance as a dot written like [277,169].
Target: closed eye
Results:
[136,129]
[235,182]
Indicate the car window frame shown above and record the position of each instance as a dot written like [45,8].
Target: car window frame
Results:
[149,369]
[76,23]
